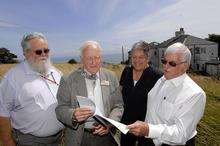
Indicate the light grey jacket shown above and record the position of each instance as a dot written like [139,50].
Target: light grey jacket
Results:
[74,85]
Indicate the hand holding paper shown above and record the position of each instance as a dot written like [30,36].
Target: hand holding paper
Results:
[104,121]
[82,114]
[139,128]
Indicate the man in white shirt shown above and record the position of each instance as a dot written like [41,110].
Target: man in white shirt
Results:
[96,83]
[28,98]
[175,104]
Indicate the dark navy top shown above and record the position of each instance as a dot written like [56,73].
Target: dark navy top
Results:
[135,97]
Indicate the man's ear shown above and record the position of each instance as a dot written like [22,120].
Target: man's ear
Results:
[186,65]
[26,53]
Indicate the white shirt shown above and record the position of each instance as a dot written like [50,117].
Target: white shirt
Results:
[29,100]
[174,109]
[95,94]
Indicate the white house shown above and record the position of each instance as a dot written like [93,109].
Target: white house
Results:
[203,51]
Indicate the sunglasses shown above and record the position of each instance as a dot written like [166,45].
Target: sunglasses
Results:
[171,63]
[40,51]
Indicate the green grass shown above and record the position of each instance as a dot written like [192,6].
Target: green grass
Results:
[209,126]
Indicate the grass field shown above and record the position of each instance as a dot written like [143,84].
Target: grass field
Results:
[208,128]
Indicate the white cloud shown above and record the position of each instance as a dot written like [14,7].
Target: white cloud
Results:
[108,10]
[198,17]
[7,24]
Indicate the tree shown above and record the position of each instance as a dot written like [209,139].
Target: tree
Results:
[72,61]
[215,38]
[6,56]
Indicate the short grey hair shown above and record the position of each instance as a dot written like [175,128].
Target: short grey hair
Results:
[180,48]
[141,46]
[86,44]
[27,37]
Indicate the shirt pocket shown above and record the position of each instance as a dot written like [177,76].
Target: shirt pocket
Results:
[165,110]
[39,100]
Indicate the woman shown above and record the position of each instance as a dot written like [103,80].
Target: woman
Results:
[136,82]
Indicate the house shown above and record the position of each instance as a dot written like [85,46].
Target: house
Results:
[153,55]
[203,52]
[213,67]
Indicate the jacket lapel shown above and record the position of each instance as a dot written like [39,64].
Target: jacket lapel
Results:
[81,84]
[105,90]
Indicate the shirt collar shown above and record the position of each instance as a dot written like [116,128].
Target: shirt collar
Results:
[178,80]
[97,74]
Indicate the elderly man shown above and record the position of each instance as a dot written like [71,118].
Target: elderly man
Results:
[175,104]
[96,83]
[28,98]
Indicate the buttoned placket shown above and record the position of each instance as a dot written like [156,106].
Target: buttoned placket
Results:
[161,92]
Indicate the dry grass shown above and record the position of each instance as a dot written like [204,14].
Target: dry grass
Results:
[4,68]
[208,128]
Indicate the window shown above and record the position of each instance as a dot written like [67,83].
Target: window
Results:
[197,66]
[162,54]
[203,50]
[197,50]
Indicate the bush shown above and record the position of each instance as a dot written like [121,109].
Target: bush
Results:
[72,61]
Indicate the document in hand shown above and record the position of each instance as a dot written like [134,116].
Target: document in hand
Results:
[104,121]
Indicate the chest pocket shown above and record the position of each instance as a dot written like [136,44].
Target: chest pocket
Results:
[36,92]
[165,110]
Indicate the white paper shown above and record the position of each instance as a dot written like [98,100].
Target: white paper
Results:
[86,102]
[122,127]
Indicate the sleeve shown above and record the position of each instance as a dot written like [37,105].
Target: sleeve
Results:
[64,110]
[7,98]
[186,119]
[116,100]
[123,75]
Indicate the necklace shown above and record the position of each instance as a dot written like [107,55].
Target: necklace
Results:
[46,78]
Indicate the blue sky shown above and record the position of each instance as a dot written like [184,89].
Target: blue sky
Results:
[68,23]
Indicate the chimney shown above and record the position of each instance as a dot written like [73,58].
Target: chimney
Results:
[180,32]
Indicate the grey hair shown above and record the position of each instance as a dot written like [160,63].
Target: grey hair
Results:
[27,37]
[180,48]
[142,46]
[87,44]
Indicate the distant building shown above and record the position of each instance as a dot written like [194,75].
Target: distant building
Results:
[153,55]
[213,67]
[154,59]
[6,56]
[204,53]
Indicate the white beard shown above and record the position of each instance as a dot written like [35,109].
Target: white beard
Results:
[41,66]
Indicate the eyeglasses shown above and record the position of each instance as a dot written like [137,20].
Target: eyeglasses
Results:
[171,63]
[40,51]
[94,58]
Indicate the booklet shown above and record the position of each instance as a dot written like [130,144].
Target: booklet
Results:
[104,121]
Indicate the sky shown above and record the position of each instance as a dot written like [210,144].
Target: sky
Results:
[113,23]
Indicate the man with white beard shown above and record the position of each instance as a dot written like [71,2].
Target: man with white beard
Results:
[28,98]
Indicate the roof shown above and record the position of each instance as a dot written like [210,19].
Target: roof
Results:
[187,40]
[173,40]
